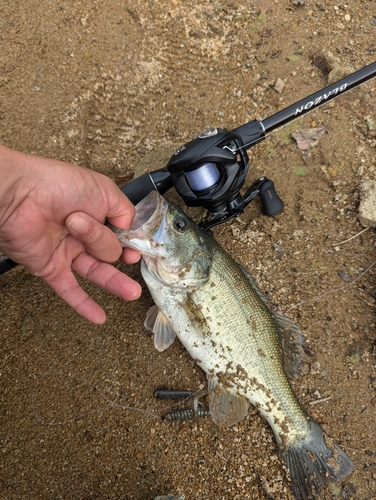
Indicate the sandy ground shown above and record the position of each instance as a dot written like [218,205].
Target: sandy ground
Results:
[103,84]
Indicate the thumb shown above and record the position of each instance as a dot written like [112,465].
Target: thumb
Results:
[120,211]
[98,240]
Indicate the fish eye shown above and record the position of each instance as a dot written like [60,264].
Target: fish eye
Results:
[180,224]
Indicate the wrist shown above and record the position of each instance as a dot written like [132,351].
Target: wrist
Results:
[13,187]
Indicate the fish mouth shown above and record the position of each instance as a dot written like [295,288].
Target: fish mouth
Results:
[147,210]
[147,226]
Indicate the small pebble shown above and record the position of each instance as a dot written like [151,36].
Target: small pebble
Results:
[279,85]
[343,275]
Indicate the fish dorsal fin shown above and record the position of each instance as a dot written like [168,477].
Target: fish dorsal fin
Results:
[157,323]
[292,338]
[226,407]
[254,285]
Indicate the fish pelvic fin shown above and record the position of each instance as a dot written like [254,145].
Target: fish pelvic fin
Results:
[291,336]
[315,462]
[226,407]
[157,323]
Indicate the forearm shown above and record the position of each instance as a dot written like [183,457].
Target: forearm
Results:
[13,185]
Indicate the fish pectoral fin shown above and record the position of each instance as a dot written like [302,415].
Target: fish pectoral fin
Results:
[226,407]
[157,323]
[151,316]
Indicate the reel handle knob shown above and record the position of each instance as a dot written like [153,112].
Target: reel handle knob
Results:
[271,202]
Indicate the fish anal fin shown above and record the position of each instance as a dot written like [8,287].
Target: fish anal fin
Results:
[157,323]
[226,407]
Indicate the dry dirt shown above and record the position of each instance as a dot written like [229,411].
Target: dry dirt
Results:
[103,84]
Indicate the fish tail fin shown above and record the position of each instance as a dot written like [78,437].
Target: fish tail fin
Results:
[314,462]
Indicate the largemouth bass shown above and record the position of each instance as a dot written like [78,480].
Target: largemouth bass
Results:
[217,311]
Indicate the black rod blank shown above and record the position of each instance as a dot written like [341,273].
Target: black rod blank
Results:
[319,98]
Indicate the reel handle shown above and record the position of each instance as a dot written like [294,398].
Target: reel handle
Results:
[271,202]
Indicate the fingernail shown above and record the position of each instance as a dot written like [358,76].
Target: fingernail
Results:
[78,225]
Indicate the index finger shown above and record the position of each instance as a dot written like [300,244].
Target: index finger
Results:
[68,289]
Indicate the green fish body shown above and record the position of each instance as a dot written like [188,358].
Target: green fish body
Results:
[215,308]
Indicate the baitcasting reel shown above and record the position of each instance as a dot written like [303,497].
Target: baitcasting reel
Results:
[210,170]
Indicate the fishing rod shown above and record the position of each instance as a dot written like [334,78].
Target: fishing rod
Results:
[210,170]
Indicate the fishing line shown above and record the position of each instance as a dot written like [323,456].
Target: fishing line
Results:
[111,403]
[331,291]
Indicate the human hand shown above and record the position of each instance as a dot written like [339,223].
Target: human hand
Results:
[51,221]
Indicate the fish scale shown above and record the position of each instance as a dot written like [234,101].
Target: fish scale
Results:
[217,311]
[253,344]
